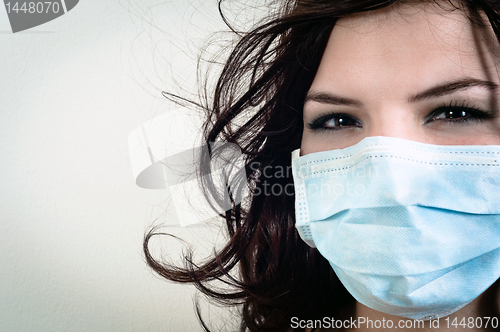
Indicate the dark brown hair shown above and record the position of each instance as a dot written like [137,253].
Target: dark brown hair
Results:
[266,78]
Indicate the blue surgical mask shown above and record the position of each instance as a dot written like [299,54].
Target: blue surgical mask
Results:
[410,229]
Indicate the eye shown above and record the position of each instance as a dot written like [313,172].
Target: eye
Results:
[457,113]
[335,121]
[452,114]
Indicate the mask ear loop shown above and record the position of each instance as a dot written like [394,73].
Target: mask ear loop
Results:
[302,219]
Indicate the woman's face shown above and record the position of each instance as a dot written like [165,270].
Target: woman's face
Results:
[420,72]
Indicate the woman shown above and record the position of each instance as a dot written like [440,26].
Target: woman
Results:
[328,75]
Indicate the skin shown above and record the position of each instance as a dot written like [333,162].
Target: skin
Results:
[389,73]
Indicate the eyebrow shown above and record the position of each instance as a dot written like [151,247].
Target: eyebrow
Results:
[451,87]
[328,98]
[434,92]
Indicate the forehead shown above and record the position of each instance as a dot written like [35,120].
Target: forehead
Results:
[407,45]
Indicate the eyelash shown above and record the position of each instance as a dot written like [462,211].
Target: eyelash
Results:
[473,114]
[319,123]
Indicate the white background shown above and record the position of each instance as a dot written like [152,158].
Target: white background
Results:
[72,219]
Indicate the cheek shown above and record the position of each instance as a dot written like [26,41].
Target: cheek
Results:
[311,145]
[327,140]
[486,132]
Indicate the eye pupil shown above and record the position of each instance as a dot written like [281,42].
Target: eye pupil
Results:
[453,114]
[339,121]
[342,121]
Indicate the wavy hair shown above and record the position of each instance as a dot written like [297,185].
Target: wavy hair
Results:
[257,104]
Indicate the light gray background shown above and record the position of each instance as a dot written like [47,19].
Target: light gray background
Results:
[72,218]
